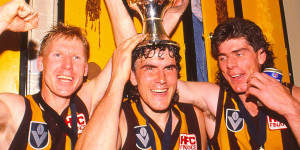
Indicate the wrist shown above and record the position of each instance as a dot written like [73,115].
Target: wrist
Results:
[292,110]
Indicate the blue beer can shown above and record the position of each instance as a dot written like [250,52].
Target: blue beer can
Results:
[275,73]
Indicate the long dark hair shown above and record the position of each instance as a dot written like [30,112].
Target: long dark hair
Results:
[240,28]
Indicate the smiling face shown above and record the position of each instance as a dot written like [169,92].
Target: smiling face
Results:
[156,80]
[63,64]
[237,61]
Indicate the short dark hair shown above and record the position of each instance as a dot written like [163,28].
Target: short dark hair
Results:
[65,31]
[149,51]
[241,28]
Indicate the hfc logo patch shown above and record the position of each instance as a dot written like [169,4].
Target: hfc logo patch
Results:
[187,142]
[275,125]
[81,122]
[142,137]
[234,121]
[38,135]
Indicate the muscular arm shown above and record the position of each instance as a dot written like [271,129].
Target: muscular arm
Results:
[102,130]
[17,16]
[204,95]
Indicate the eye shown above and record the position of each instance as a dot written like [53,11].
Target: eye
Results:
[57,55]
[149,68]
[76,57]
[222,58]
[239,54]
[171,68]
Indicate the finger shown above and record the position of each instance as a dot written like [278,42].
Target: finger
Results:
[253,91]
[34,16]
[253,81]
[32,23]
[132,42]
[24,9]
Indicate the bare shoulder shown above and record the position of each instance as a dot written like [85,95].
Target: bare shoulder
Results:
[12,109]
[13,101]
[296,92]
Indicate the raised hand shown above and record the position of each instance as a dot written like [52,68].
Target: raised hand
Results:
[17,16]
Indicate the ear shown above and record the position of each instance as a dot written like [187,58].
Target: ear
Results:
[40,63]
[133,78]
[86,69]
[261,56]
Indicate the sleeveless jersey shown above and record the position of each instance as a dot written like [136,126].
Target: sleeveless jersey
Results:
[39,129]
[232,132]
[186,135]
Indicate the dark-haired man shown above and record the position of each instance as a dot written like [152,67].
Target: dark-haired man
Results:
[233,118]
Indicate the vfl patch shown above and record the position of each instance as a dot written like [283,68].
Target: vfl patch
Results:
[275,125]
[38,135]
[81,122]
[234,121]
[142,137]
[187,142]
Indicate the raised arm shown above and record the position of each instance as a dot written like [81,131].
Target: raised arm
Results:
[101,131]
[278,98]
[17,16]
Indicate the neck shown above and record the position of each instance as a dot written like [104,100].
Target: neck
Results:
[56,102]
[250,105]
[160,118]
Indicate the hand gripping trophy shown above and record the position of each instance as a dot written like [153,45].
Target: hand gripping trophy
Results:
[152,12]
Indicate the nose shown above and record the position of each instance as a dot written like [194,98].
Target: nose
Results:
[67,63]
[231,63]
[161,77]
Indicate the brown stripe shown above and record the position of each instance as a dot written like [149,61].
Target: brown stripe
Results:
[131,122]
[214,141]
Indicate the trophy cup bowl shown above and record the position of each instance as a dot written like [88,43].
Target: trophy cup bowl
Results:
[151,13]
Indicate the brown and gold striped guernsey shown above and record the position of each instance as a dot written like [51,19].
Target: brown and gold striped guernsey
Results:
[187,126]
[231,132]
[39,130]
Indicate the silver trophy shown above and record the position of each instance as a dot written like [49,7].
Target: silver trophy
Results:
[152,12]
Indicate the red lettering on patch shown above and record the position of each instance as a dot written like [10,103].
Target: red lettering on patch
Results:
[187,142]
[81,122]
[275,125]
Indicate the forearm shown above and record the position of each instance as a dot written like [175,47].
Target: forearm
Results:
[101,131]
[122,24]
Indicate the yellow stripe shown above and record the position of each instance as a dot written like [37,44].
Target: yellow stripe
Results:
[37,115]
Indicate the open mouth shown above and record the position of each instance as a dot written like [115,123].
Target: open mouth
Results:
[159,90]
[236,76]
[65,78]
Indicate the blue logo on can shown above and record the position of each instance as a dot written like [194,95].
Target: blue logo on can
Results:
[275,73]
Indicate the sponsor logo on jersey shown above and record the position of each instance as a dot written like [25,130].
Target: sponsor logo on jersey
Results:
[142,137]
[187,142]
[234,121]
[81,122]
[38,135]
[275,125]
